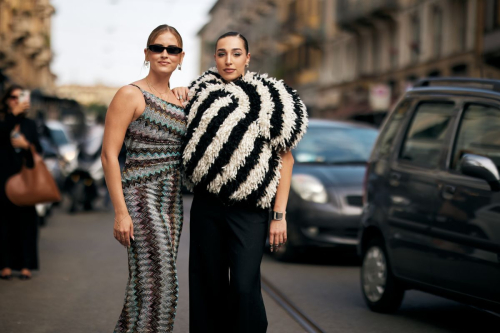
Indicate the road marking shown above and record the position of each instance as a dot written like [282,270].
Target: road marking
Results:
[298,315]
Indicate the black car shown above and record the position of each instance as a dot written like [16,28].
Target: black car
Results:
[324,206]
[431,214]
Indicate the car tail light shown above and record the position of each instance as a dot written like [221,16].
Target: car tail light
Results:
[365,184]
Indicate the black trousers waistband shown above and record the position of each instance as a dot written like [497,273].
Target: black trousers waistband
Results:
[202,192]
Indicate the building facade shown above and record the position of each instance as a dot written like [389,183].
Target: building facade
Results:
[380,48]
[489,45]
[25,44]
[284,38]
[353,59]
[88,95]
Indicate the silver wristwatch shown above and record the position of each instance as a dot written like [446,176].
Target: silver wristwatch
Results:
[278,216]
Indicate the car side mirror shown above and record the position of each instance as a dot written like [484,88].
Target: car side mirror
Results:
[480,167]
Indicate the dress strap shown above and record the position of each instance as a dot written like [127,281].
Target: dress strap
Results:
[142,91]
[131,84]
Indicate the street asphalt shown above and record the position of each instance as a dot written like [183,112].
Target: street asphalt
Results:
[80,288]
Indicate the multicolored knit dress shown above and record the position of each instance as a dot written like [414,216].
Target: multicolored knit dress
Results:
[151,184]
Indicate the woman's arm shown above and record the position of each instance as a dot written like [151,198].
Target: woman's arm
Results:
[120,114]
[30,138]
[277,230]
[34,137]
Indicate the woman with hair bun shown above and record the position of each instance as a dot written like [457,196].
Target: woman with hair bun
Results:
[147,195]
[241,127]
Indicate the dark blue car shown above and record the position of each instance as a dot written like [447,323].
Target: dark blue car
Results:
[324,207]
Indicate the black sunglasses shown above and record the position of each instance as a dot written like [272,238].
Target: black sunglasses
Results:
[159,49]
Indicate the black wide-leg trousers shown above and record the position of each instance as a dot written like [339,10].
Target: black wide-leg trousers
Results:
[18,236]
[226,249]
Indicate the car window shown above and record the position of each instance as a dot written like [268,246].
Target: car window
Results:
[59,137]
[335,145]
[425,137]
[391,129]
[478,134]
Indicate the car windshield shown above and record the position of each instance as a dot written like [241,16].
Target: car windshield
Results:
[335,145]
[59,137]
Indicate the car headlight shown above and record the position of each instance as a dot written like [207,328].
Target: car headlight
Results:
[69,155]
[309,188]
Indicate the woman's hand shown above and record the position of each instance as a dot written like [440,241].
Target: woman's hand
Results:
[20,108]
[123,229]
[277,234]
[181,93]
[20,142]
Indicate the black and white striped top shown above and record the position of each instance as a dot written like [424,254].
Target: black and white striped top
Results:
[235,133]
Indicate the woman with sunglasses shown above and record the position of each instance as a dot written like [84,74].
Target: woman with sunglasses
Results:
[18,225]
[241,127]
[147,195]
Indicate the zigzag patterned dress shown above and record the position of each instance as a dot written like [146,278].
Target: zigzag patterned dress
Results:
[151,182]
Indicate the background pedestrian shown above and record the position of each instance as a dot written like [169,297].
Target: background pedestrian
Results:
[18,225]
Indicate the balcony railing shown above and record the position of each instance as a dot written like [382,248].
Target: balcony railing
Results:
[349,11]
[491,42]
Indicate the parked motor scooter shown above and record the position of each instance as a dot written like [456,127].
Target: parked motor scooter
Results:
[84,183]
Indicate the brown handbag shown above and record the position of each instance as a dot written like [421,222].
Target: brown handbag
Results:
[32,186]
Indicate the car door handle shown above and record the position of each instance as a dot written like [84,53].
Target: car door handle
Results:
[448,192]
[394,179]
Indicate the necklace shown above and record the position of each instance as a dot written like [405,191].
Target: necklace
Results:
[151,87]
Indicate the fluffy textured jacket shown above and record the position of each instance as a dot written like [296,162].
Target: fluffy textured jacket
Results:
[236,132]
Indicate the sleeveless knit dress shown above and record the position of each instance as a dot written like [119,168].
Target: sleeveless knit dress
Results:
[151,182]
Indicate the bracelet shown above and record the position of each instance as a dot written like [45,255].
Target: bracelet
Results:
[121,219]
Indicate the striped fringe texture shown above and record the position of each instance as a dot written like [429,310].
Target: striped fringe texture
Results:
[236,132]
[152,188]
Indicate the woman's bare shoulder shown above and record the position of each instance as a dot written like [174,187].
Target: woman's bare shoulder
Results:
[129,90]
[128,94]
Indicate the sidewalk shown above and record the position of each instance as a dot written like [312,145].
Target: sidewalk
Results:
[81,284]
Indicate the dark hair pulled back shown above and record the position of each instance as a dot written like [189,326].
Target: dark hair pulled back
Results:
[234,34]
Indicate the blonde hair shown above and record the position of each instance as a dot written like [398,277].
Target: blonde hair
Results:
[162,29]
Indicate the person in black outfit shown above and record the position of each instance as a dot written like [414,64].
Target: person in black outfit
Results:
[18,225]
[237,157]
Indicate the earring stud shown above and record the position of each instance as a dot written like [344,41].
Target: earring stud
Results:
[146,63]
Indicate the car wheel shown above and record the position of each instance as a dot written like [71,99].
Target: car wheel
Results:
[381,290]
[287,252]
